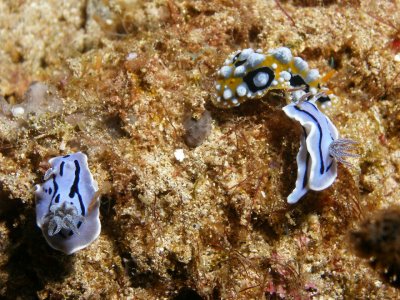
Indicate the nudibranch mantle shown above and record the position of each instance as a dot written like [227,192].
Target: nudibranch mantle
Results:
[251,74]
[317,168]
[67,204]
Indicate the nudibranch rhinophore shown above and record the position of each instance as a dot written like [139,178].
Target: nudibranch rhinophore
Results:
[67,204]
[251,74]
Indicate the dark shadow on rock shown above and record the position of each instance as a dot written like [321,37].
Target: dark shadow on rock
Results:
[32,264]
[187,293]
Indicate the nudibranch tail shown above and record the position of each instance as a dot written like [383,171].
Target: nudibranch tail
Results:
[251,74]
[67,206]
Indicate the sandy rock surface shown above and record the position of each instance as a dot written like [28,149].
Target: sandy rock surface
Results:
[118,80]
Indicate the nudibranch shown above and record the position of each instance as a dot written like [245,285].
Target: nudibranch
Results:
[67,204]
[251,74]
[320,149]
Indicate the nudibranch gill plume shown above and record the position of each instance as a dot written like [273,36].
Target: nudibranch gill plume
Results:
[251,74]
[67,204]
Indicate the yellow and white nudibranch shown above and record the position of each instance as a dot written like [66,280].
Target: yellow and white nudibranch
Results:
[251,74]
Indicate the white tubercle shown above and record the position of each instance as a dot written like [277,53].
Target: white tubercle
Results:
[283,54]
[227,94]
[255,59]
[312,75]
[241,90]
[285,75]
[300,64]
[245,53]
[261,79]
[240,71]
[225,71]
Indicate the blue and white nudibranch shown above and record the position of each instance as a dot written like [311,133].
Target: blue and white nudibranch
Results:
[67,204]
[320,149]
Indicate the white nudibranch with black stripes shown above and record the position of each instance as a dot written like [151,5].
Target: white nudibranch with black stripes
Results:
[251,74]
[67,204]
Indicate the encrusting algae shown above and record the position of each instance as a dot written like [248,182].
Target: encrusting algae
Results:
[123,78]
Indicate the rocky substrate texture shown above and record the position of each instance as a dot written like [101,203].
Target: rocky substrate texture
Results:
[193,201]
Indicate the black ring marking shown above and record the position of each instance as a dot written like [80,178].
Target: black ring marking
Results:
[249,79]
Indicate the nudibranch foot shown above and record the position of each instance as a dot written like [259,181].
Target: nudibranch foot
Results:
[341,148]
[67,204]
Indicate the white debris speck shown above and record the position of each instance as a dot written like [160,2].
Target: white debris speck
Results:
[378,283]
[179,155]
[17,111]
[131,56]
[397,57]
[62,146]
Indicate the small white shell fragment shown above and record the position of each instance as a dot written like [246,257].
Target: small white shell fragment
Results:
[179,155]
[17,111]
[131,56]
[397,57]
[67,205]
[300,64]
